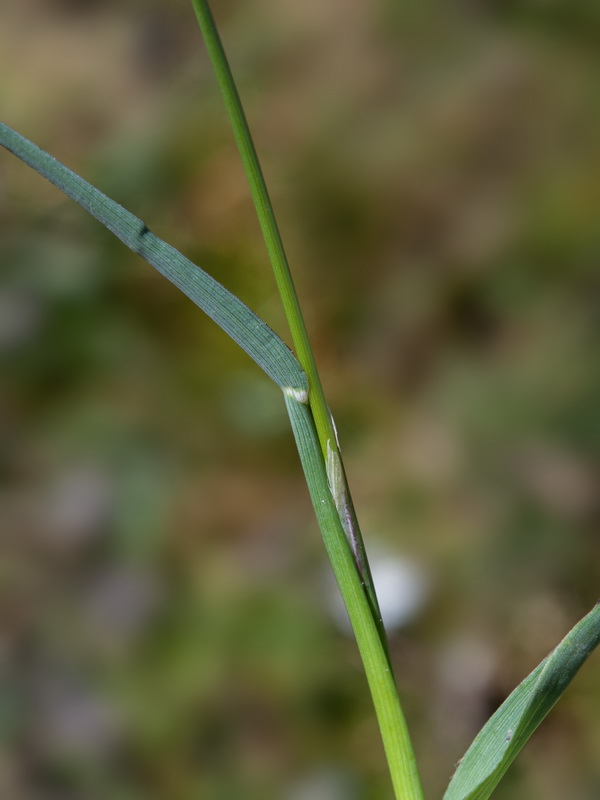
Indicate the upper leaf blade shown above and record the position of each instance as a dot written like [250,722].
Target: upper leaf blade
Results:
[228,311]
[502,737]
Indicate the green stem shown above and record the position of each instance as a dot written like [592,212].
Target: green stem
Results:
[285,283]
[333,481]
[266,218]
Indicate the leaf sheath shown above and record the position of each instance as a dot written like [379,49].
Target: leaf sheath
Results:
[396,740]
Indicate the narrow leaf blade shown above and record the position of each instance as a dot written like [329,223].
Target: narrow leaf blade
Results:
[228,311]
[506,732]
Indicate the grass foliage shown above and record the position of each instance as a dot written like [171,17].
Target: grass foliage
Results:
[513,723]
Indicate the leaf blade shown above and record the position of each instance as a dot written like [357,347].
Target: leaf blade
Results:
[237,320]
[506,732]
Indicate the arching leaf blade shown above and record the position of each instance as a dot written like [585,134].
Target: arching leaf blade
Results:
[228,311]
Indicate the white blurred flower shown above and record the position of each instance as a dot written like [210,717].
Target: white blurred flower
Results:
[402,587]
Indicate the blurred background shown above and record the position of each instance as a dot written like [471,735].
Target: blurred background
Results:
[169,629]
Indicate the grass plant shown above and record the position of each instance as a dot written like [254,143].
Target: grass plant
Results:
[314,430]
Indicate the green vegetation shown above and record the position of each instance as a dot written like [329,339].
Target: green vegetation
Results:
[508,730]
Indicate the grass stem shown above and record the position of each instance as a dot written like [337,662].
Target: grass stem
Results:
[366,618]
